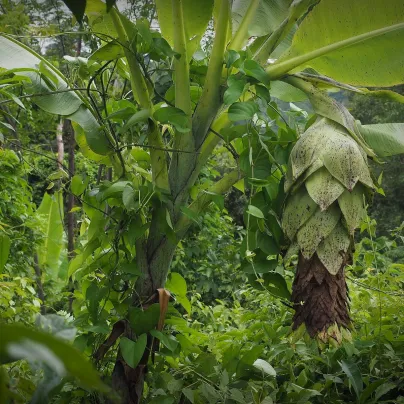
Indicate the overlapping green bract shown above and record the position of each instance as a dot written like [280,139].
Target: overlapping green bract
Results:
[327,178]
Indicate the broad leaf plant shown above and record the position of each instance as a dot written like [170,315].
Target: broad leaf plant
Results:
[153,106]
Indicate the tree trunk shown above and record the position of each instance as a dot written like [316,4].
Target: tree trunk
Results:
[320,299]
[71,219]
[59,142]
[153,259]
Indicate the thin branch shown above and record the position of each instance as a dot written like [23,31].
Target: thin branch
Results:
[40,154]
[363,285]
[228,146]
[157,148]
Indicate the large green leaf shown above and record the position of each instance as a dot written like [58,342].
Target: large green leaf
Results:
[386,139]
[14,55]
[96,137]
[269,15]
[19,342]
[44,78]
[358,42]
[51,211]
[353,372]
[196,17]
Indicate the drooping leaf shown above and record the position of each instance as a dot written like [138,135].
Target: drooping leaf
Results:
[276,284]
[15,55]
[85,149]
[333,248]
[385,139]
[96,137]
[196,15]
[269,15]
[316,229]
[66,102]
[133,351]
[52,212]
[323,188]
[77,8]
[110,51]
[13,339]
[353,372]
[357,42]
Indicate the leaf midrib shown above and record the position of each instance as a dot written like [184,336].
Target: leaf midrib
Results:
[277,70]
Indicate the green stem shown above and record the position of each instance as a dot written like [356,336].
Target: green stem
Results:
[141,92]
[137,80]
[182,141]
[203,199]
[296,10]
[278,70]
[210,100]
[265,50]
[181,71]
[242,32]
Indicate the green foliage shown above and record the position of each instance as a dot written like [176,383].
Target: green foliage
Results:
[209,258]
[149,108]
[244,351]
[17,220]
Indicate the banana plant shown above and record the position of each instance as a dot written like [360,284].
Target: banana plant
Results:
[307,199]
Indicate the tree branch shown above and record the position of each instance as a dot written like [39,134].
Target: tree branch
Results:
[203,200]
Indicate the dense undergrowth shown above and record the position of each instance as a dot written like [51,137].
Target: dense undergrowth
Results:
[235,345]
